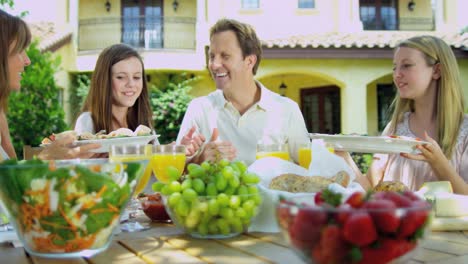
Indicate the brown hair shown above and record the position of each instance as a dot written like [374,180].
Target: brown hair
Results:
[12,29]
[99,99]
[246,37]
[450,102]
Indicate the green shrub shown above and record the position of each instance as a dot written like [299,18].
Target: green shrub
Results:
[78,92]
[169,105]
[36,111]
[362,160]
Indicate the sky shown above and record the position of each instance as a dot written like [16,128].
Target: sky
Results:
[37,10]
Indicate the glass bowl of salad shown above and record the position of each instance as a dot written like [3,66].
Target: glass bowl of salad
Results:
[64,209]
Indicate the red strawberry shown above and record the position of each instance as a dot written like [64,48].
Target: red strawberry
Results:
[411,196]
[400,247]
[306,229]
[285,218]
[385,251]
[359,229]
[378,195]
[356,199]
[398,199]
[383,212]
[414,219]
[317,255]
[318,198]
[344,210]
[332,248]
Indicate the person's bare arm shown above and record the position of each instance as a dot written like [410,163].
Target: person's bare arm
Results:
[7,145]
[62,149]
[432,154]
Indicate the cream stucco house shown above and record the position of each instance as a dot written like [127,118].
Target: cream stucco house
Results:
[333,57]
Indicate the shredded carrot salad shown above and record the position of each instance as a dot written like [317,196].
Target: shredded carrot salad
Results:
[68,209]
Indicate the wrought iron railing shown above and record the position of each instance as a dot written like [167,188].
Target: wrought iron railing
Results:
[147,32]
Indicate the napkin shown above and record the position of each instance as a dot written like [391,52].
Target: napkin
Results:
[323,164]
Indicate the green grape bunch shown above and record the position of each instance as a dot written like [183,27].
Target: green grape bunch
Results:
[213,198]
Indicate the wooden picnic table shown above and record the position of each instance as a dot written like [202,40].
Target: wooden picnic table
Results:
[164,243]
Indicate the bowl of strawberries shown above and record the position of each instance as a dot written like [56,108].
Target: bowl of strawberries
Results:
[378,227]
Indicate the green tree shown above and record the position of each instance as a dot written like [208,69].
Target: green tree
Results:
[36,111]
[10,3]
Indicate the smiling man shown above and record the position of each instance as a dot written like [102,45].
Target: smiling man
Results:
[241,112]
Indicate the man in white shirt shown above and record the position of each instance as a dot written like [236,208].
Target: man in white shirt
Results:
[242,112]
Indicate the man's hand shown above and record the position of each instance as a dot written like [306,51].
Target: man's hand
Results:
[192,142]
[63,148]
[216,150]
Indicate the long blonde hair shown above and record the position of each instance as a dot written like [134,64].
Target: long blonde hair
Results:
[12,29]
[450,100]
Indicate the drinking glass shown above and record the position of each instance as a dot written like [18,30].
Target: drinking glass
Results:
[165,156]
[122,153]
[305,155]
[272,150]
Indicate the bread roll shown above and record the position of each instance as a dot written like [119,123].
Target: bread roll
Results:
[385,186]
[284,182]
[342,178]
[307,184]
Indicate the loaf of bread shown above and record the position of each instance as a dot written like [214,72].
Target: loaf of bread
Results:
[385,186]
[306,184]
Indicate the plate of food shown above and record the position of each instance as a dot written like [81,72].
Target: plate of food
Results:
[124,140]
[371,144]
[121,136]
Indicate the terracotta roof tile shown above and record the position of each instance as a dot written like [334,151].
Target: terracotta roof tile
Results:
[365,39]
[49,37]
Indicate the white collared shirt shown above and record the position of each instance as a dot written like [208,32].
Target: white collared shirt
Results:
[273,118]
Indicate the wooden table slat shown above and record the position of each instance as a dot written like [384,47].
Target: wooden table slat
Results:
[165,243]
[445,246]
[39,260]
[455,260]
[14,255]
[424,255]
[272,252]
[116,253]
[211,251]
[156,250]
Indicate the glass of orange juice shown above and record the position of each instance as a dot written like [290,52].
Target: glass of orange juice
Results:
[305,155]
[166,159]
[121,153]
[272,150]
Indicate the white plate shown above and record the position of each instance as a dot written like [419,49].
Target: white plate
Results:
[368,144]
[107,142]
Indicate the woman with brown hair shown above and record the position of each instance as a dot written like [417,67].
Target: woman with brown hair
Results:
[15,37]
[118,96]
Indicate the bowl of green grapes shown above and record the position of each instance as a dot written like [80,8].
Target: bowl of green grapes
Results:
[213,200]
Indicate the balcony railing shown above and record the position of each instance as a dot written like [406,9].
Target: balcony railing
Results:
[147,32]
